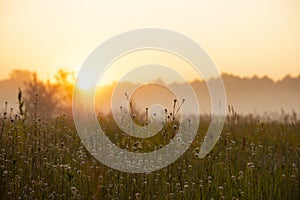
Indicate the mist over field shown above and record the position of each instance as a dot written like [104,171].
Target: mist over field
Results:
[253,95]
[247,95]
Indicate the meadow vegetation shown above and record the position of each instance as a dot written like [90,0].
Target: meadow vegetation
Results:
[43,158]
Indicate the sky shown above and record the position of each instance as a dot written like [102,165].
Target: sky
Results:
[242,37]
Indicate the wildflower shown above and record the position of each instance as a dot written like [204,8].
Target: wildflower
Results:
[5,173]
[241,193]
[228,149]
[250,166]
[79,172]
[241,174]
[73,189]
[137,195]
[293,176]
[221,190]
[209,178]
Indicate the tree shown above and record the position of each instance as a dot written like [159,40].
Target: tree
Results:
[65,83]
[20,75]
[50,98]
[41,98]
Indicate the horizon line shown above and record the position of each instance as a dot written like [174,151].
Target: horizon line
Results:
[246,77]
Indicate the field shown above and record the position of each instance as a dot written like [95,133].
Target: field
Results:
[43,158]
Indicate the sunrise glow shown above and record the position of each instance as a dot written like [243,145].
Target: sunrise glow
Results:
[253,37]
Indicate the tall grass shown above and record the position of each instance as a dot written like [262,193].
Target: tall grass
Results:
[45,159]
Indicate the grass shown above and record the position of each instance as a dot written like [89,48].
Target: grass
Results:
[45,159]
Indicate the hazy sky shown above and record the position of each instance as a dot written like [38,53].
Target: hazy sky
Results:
[242,37]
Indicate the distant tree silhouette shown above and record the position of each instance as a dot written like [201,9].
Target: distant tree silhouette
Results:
[45,98]
[40,98]
[21,75]
[65,84]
